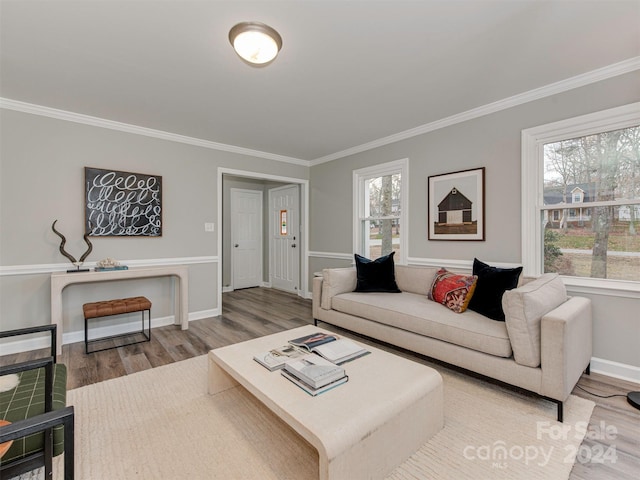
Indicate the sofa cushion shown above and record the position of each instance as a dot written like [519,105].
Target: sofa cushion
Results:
[453,290]
[524,308]
[414,279]
[491,285]
[335,281]
[416,313]
[376,275]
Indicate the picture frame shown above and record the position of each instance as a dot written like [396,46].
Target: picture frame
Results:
[122,204]
[456,206]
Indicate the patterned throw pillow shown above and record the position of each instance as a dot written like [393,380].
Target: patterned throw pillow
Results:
[453,290]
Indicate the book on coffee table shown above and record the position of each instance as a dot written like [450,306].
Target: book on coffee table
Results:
[333,348]
[314,370]
[309,342]
[276,358]
[340,351]
[309,389]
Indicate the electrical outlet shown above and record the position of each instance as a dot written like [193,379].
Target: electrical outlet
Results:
[209,227]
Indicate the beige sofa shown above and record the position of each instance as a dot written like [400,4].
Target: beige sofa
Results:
[543,346]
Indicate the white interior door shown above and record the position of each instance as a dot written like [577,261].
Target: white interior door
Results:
[246,238]
[284,234]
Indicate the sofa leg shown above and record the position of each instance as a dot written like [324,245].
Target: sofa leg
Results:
[560,412]
[588,370]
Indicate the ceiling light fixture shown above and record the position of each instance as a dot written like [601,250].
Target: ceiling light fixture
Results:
[256,43]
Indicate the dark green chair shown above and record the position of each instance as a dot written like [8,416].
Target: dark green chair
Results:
[41,423]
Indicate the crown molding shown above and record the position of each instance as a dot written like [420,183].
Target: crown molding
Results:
[604,73]
[43,111]
[610,71]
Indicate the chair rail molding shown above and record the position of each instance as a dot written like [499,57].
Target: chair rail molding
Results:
[61,267]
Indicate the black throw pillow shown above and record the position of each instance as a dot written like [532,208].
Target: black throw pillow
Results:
[491,285]
[376,275]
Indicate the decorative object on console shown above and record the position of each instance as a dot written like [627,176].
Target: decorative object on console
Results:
[122,204]
[456,206]
[109,264]
[452,290]
[77,263]
[376,275]
[491,285]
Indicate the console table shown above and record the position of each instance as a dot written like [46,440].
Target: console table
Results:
[60,280]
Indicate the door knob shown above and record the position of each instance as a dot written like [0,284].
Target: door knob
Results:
[293,245]
[236,245]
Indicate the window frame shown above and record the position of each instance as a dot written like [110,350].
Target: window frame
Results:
[533,141]
[359,203]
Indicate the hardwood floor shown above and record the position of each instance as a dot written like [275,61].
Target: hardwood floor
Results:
[610,451]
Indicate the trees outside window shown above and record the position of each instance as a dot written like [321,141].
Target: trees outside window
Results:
[379,210]
[587,172]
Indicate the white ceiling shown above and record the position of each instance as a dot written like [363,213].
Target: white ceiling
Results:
[349,73]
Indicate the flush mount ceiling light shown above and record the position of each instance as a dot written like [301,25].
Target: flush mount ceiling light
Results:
[256,43]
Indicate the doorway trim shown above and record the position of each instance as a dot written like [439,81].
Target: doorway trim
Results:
[304,185]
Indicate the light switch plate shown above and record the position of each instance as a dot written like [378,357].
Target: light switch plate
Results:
[209,227]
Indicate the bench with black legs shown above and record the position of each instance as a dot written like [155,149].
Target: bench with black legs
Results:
[116,307]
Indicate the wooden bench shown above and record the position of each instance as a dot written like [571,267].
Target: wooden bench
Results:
[116,307]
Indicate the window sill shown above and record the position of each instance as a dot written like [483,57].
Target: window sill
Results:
[597,286]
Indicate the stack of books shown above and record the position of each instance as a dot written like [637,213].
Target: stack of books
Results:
[111,268]
[314,374]
[313,362]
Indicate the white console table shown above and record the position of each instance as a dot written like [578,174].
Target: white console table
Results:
[60,280]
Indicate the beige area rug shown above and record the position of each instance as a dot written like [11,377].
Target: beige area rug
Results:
[162,424]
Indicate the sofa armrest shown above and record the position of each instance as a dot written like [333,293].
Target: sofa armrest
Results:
[566,346]
[334,282]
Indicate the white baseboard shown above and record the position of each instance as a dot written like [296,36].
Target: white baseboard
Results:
[622,371]
[37,341]
[227,289]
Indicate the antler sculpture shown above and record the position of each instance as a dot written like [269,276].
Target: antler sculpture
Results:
[71,258]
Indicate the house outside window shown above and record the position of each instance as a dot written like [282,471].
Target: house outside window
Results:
[587,170]
[578,195]
[380,210]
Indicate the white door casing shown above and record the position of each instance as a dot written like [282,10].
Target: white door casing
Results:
[284,240]
[246,238]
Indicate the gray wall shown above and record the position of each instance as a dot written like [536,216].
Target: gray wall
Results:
[42,164]
[492,141]
[41,179]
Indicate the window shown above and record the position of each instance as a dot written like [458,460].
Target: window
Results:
[380,210]
[592,161]
[577,195]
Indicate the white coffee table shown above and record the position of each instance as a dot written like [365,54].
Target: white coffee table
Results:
[362,429]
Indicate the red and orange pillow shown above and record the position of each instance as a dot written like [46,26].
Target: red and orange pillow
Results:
[453,290]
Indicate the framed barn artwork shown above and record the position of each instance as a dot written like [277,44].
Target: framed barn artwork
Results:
[456,205]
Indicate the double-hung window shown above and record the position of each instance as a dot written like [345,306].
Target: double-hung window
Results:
[380,210]
[581,198]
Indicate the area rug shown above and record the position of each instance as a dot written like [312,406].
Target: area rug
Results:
[162,424]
